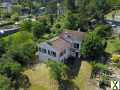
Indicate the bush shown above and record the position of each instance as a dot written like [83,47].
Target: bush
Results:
[58,69]
[99,68]
[104,81]
[15,17]
[92,46]
[4,83]
[115,58]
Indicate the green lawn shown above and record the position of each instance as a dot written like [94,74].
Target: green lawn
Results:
[84,75]
[109,15]
[113,45]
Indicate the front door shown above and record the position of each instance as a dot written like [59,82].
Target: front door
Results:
[77,54]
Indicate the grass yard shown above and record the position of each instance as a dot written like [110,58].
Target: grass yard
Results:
[40,78]
[84,75]
[113,45]
[109,15]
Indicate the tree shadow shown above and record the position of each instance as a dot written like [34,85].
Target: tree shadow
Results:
[67,85]
[21,81]
[74,67]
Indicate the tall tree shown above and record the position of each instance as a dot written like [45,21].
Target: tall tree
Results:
[70,5]
[40,28]
[4,83]
[92,46]
[58,69]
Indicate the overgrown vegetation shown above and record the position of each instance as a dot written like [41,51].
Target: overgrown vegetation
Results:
[17,51]
[58,70]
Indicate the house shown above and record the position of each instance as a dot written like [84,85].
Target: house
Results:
[25,11]
[114,22]
[67,44]
[7,6]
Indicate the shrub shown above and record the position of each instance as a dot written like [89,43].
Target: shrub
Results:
[115,58]
[58,69]
[99,68]
[104,81]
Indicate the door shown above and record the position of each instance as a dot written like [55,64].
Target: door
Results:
[77,54]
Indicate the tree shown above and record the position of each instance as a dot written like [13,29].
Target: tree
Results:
[70,5]
[104,31]
[58,69]
[2,49]
[94,8]
[71,21]
[25,54]
[40,28]
[8,66]
[92,46]
[4,83]
[21,47]
[25,25]
[15,17]
[52,8]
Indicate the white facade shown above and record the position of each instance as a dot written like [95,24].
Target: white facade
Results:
[7,7]
[46,56]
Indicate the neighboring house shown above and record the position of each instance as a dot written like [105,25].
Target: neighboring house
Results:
[114,22]
[41,10]
[67,44]
[7,6]
[25,11]
[48,1]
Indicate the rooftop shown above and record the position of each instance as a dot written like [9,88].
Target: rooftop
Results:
[60,44]
[73,34]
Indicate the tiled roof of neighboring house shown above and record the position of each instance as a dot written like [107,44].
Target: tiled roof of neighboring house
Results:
[59,44]
[73,34]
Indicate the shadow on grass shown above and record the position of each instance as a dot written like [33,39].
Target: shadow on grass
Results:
[67,85]
[74,67]
[21,81]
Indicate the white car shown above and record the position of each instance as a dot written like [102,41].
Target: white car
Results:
[1,32]
[113,25]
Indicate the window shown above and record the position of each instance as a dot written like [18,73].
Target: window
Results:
[49,52]
[53,53]
[44,50]
[76,45]
[40,49]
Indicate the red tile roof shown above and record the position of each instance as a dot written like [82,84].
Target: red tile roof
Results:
[59,44]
